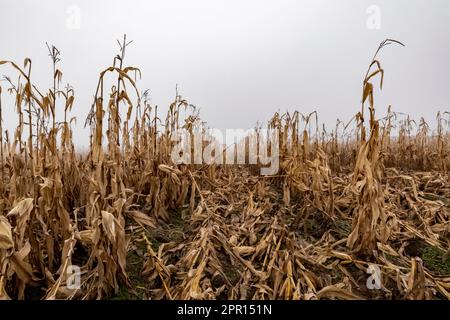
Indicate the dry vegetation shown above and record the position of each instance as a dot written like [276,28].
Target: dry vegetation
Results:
[141,227]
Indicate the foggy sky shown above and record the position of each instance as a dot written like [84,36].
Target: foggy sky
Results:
[239,61]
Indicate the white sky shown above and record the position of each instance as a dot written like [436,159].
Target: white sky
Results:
[240,60]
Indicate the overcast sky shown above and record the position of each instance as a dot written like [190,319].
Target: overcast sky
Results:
[240,60]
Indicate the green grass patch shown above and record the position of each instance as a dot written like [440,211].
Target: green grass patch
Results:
[436,260]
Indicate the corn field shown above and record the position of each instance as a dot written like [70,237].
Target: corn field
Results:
[370,193]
